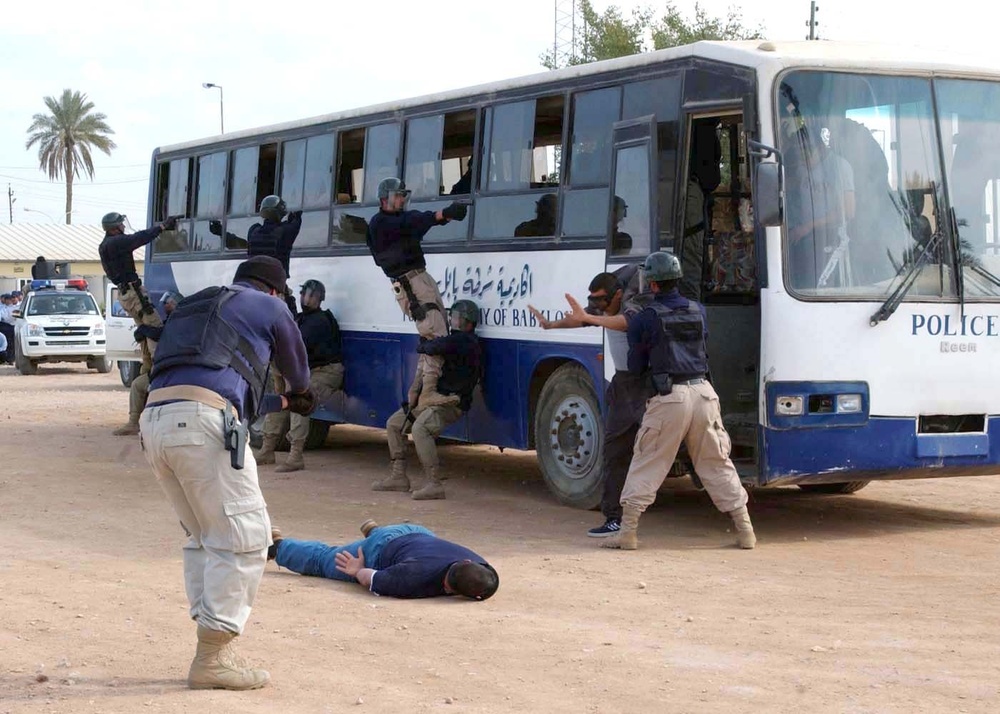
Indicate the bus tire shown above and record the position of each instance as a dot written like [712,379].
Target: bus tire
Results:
[318,431]
[841,488]
[569,437]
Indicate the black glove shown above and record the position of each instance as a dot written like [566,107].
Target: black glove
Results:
[302,403]
[171,224]
[295,216]
[147,332]
[455,211]
[215,227]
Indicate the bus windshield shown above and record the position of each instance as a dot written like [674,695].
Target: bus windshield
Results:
[865,188]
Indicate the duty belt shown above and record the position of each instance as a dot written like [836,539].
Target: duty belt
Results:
[191,393]
[696,380]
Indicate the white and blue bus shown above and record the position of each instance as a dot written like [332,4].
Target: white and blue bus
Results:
[844,243]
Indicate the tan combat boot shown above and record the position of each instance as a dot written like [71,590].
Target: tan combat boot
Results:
[367,527]
[744,528]
[429,488]
[217,666]
[628,537]
[129,429]
[294,462]
[266,453]
[396,480]
[430,397]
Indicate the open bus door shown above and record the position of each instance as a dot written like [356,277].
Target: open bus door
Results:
[632,210]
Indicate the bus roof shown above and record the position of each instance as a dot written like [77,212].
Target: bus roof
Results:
[748,53]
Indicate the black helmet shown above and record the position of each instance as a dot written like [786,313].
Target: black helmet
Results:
[272,208]
[389,186]
[662,266]
[263,269]
[111,220]
[467,310]
[316,287]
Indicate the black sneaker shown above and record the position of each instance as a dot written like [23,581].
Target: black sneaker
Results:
[610,528]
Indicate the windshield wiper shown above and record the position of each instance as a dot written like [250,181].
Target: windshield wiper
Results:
[931,247]
[894,300]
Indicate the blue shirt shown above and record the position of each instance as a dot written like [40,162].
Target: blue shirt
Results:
[644,331]
[415,565]
[270,329]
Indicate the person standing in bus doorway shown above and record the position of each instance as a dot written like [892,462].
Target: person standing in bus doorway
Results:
[394,239]
[614,297]
[119,265]
[140,385]
[321,336]
[208,383]
[275,237]
[668,339]
[462,355]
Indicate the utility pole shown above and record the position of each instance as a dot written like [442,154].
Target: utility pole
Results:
[812,22]
[10,202]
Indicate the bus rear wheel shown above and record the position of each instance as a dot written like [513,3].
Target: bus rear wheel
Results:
[569,437]
[842,488]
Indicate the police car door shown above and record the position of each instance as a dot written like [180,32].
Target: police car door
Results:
[119,327]
[632,210]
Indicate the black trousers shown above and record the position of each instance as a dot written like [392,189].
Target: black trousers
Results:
[8,331]
[625,403]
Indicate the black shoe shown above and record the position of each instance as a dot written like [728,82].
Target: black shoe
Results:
[272,550]
[610,528]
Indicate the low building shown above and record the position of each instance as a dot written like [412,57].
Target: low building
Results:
[22,243]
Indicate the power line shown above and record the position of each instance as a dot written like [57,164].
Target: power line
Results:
[82,181]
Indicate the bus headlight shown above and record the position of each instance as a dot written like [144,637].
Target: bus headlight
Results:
[788,406]
[849,404]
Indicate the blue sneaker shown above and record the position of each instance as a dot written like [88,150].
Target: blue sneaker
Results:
[610,528]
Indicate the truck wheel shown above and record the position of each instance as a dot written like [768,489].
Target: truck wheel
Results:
[24,365]
[318,431]
[569,437]
[128,371]
[101,364]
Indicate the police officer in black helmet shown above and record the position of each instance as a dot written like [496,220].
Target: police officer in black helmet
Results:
[394,239]
[275,236]
[119,265]
[462,356]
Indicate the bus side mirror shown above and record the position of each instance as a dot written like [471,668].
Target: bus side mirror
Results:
[767,194]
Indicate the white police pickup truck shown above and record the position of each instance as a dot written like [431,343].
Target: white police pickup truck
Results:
[59,322]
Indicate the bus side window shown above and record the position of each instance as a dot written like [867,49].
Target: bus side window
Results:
[172,185]
[350,169]
[381,158]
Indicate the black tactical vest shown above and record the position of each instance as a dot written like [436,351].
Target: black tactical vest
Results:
[197,335]
[119,268]
[681,349]
[263,239]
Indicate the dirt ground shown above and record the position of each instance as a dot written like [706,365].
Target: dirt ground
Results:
[884,601]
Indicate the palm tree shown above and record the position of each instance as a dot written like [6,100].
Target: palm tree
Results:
[65,139]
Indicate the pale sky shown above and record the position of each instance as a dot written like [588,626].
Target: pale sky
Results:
[287,60]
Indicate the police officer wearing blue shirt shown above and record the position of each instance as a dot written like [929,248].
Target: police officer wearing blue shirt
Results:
[403,560]
[394,239]
[668,339]
[207,383]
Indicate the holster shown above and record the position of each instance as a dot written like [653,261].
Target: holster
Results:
[662,383]
[144,301]
[234,436]
[418,310]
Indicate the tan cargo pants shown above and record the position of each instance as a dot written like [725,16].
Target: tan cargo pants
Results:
[435,324]
[426,428]
[221,509]
[132,304]
[690,413]
[324,382]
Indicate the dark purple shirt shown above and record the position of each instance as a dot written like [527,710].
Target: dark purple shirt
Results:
[270,328]
[414,565]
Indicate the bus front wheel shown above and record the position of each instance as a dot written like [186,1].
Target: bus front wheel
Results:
[569,437]
[843,488]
